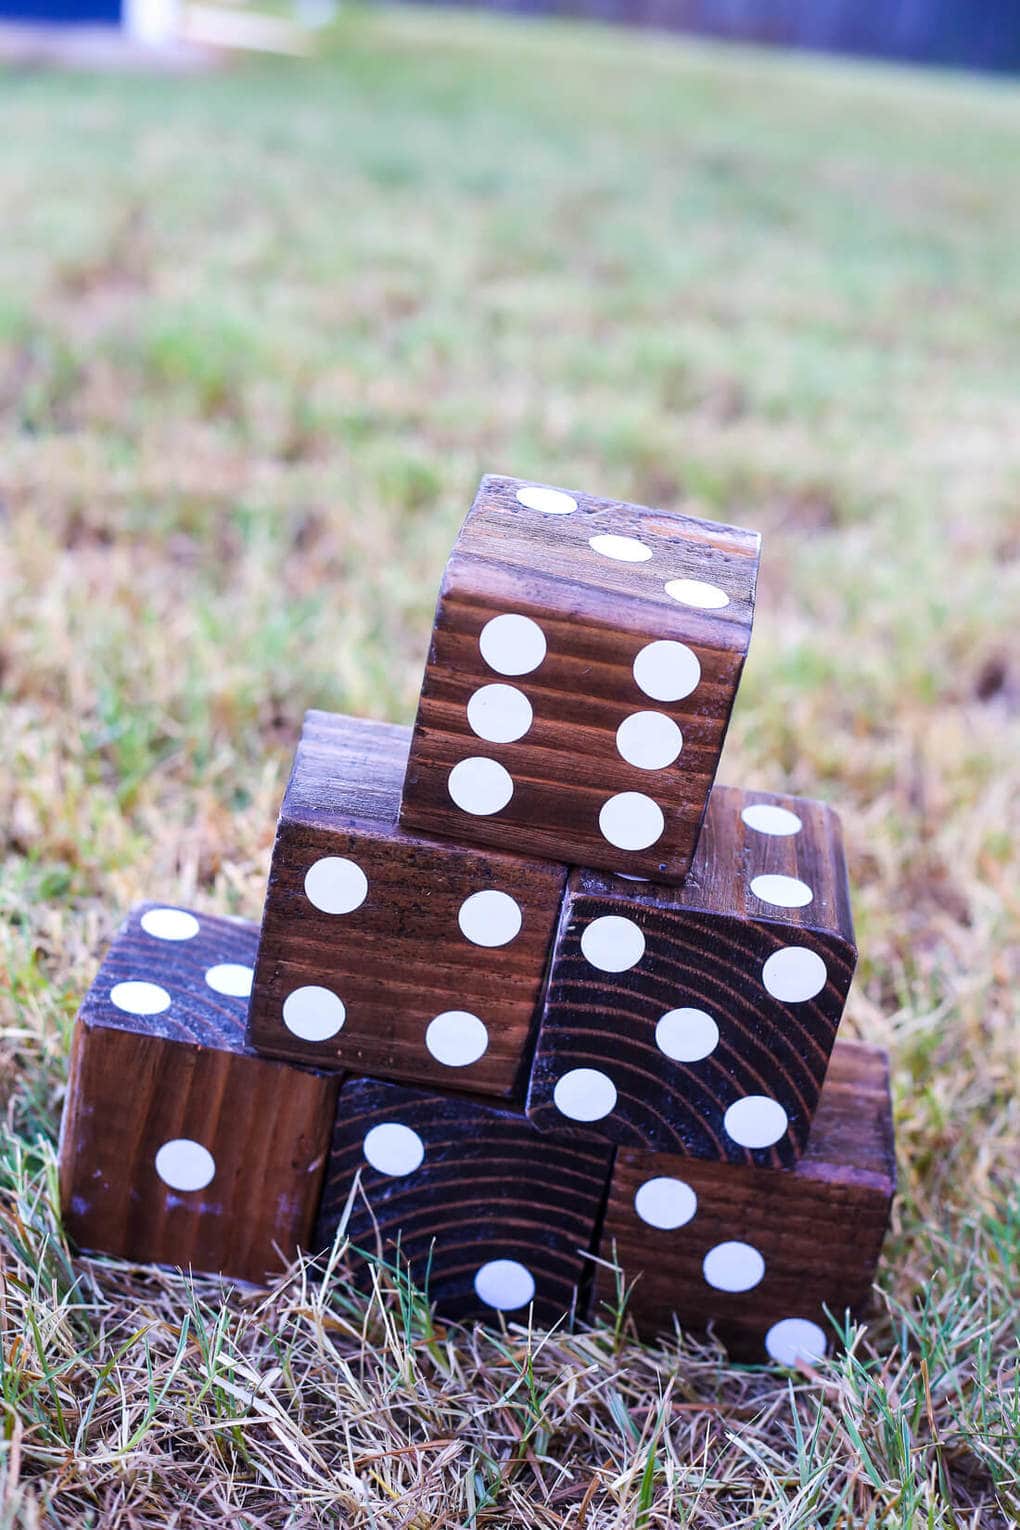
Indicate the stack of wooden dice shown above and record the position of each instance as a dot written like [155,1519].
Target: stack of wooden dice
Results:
[534,1009]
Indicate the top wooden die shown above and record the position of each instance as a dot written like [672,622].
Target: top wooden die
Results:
[584,662]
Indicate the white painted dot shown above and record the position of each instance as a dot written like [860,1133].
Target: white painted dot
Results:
[313,1013]
[480,786]
[784,892]
[169,924]
[733,1266]
[667,671]
[584,1094]
[686,1035]
[756,1121]
[490,918]
[393,1149]
[184,1164]
[623,549]
[766,818]
[794,1339]
[649,740]
[549,501]
[794,974]
[665,1203]
[501,714]
[613,943]
[456,1038]
[631,821]
[695,592]
[231,979]
[140,998]
[336,885]
[512,644]
[505,1284]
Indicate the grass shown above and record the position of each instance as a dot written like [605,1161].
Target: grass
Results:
[259,336]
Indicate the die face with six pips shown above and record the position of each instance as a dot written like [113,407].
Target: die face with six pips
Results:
[584,661]
[699,1020]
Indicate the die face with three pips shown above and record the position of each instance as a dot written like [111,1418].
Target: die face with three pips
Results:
[584,661]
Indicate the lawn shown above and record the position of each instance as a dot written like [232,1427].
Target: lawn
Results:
[260,333]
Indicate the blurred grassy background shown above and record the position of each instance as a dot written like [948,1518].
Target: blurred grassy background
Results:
[260,334]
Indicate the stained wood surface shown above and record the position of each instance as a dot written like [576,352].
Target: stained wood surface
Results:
[401,958]
[688,1030]
[487,1190]
[817,1228]
[178,1091]
[596,614]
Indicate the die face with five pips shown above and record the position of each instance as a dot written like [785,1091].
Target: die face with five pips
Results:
[495,1216]
[584,661]
[769,1258]
[699,1020]
[386,953]
[178,1145]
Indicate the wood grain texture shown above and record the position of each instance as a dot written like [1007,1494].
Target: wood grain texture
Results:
[688,1029]
[401,957]
[488,1188]
[597,614]
[141,1085]
[818,1227]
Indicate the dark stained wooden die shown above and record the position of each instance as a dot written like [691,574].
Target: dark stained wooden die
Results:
[386,953]
[584,661]
[493,1216]
[178,1145]
[700,1019]
[772,1260]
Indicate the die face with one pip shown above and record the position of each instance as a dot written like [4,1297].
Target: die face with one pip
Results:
[764,1256]
[386,953]
[699,1020]
[584,661]
[178,1146]
[494,1216]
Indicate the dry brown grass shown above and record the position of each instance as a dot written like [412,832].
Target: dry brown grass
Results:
[259,335]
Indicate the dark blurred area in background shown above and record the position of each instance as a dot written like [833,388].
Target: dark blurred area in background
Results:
[963,34]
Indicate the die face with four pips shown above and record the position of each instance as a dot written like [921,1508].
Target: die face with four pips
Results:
[494,1216]
[699,1020]
[584,661]
[386,953]
[178,1145]
[771,1259]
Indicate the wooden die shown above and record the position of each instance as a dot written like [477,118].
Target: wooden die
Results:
[492,1215]
[700,1019]
[178,1146]
[386,953]
[584,661]
[765,1257]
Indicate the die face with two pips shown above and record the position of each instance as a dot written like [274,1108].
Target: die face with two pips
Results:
[770,1259]
[386,953]
[178,1145]
[584,661]
[699,1020]
[490,1214]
